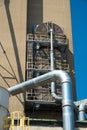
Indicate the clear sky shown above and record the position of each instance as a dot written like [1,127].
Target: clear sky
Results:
[79,31]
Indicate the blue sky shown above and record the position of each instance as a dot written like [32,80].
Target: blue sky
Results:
[79,31]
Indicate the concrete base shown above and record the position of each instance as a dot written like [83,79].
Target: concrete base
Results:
[52,128]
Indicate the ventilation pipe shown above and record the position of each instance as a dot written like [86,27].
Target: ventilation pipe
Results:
[82,109]
[67,101]
[53,86]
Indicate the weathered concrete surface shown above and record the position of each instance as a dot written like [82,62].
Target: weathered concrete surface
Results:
[13,40]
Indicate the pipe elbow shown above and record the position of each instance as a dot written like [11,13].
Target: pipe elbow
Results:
[62,76]
[82,107]
[56,97]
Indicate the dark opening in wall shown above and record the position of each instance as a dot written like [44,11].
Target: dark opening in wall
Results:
[34,13]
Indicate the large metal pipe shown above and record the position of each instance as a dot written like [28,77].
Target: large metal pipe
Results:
[82,109]
[78,103]
[53,86]
[67,101]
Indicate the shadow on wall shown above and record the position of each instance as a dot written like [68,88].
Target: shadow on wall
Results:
[10,75]
[7,2]
[34,13]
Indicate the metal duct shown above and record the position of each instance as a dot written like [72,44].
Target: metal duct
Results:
[82,109]
[67,101]
[53,86]
[78,103]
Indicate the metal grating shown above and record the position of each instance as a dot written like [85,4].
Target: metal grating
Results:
[38,60]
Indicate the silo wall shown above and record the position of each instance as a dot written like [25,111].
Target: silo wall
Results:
[4,102]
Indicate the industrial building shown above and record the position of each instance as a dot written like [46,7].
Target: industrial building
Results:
[35,39]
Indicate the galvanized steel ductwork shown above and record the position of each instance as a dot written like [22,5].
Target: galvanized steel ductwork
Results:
[66,86]
[82,109]
[53,86]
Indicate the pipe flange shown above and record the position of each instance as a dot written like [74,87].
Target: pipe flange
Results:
[67,103]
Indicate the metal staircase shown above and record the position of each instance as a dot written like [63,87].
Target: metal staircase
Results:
[38,59]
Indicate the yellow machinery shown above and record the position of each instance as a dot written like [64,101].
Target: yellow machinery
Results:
[16,121]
